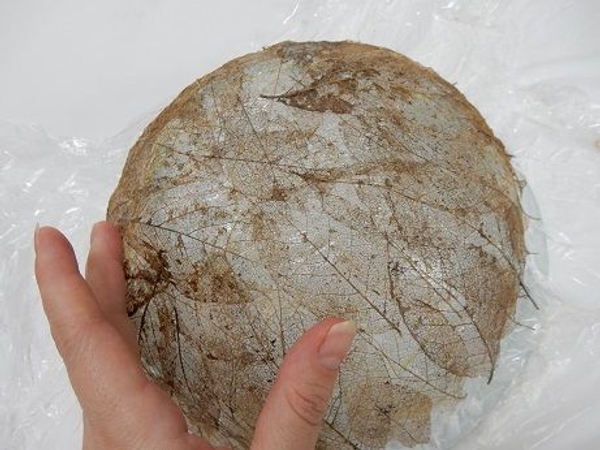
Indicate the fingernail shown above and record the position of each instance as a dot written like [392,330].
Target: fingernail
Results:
[35,236]
[94,233]
[336,344]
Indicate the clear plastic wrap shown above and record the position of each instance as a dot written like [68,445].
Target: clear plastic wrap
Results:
[534,73]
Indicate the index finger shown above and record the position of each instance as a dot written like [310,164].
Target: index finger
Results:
[67,299]
[88,343]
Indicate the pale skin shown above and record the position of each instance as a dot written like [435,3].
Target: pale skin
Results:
[122,408]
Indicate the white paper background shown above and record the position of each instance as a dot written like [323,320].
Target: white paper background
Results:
[74,74]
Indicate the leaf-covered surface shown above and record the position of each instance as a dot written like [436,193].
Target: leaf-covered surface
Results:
[313,180]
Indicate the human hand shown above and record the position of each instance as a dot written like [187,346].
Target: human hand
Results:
[122,408]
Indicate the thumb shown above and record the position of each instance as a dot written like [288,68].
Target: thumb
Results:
[291,418]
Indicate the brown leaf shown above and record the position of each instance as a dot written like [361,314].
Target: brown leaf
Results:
[311,180]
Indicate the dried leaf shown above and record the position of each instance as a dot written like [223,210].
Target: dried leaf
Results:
[311,180]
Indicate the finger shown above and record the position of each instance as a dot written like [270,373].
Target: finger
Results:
[104,274]
[104,269]
[85,340]
[292,416]
[68,302]
[117,399]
